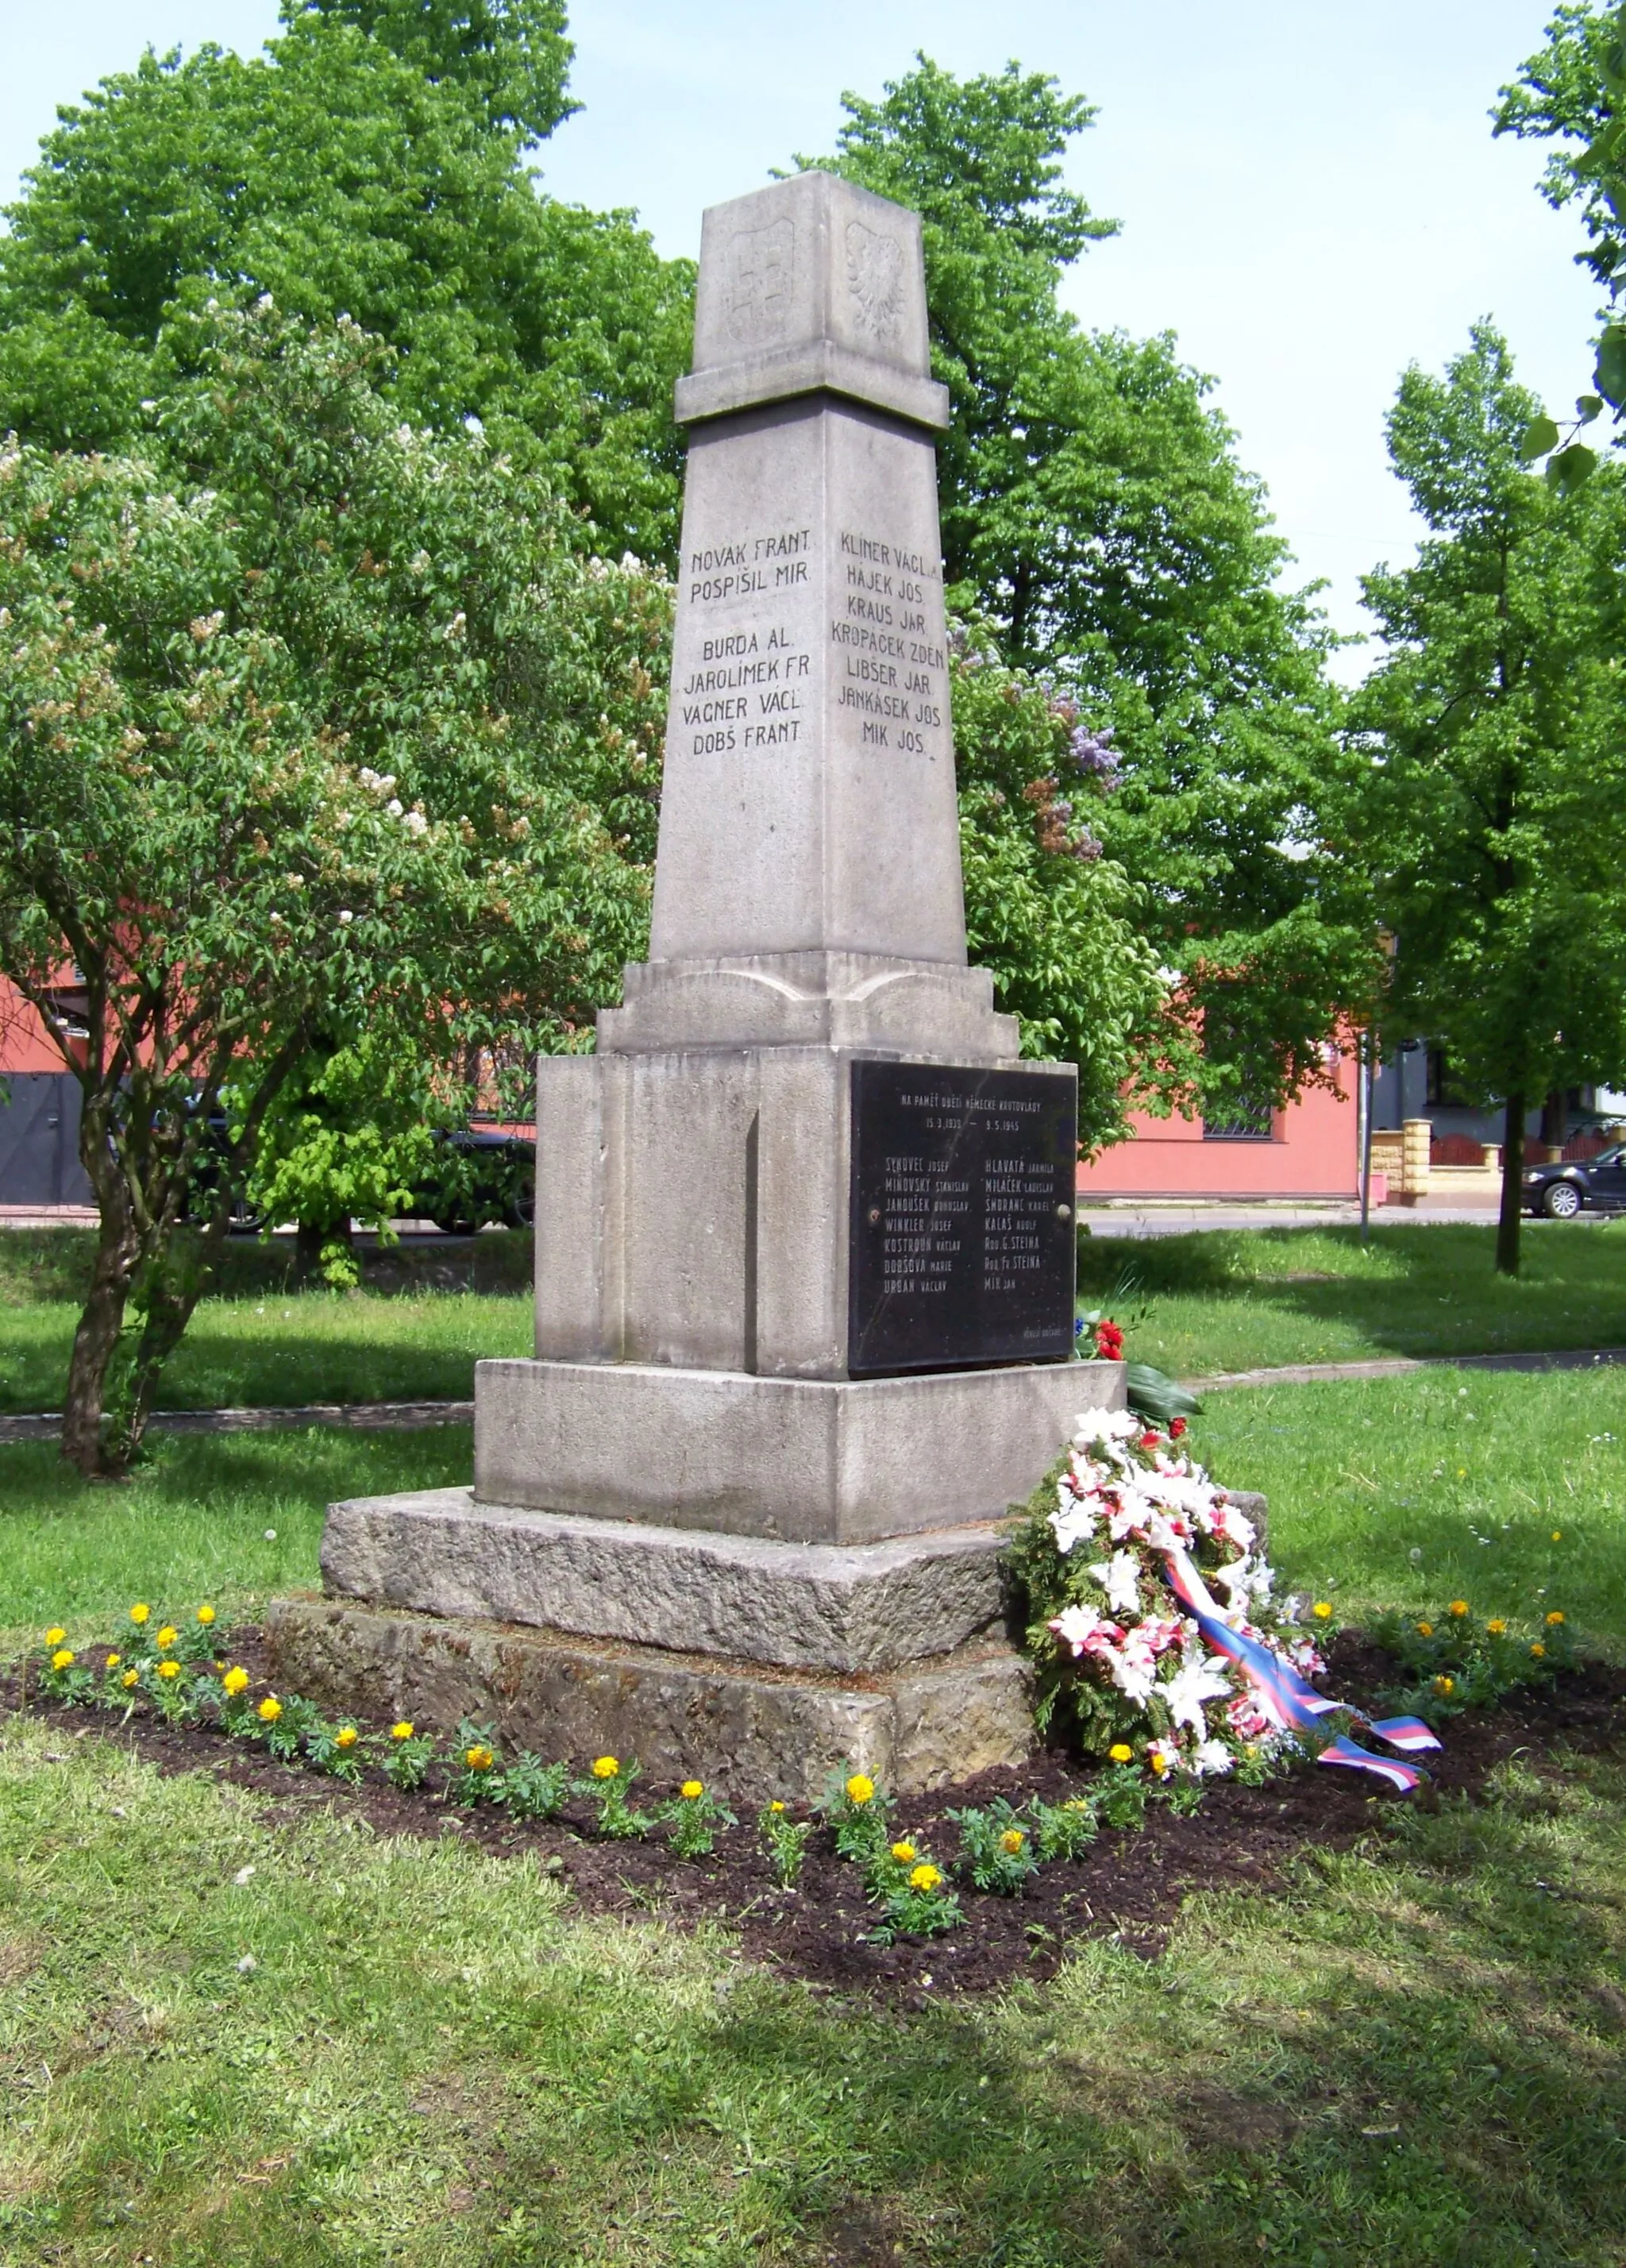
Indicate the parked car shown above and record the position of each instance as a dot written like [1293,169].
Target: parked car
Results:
[483,1175]
[1583,1185]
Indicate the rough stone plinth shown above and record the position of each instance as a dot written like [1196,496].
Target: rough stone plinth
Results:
[797,1605]
[751,1732]
[808,1461]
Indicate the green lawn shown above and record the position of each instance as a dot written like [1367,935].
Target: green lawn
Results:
[1413,2056]
[1253,1298]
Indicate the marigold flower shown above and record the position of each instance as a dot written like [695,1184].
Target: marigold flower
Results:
[140,1612]
[131,1677]
[1538,1650]
[54,1636]
[113,1662]
[271,1709]
[1459,1607]
[166,1636]
[63,1659]
[1323,1610]
[1425,1630]
[904,1853]
[403,1731]
[1012,1841]
[1495,1627]
[1444,1687]
[691,1790]
[775,1805]
[1554,1618]
[346,1737]
[925,1877]
[234,1680]
[1121,1753]
[1557,1535]
[606,1767]
[860,1788]
[206,1615]
[480,1758]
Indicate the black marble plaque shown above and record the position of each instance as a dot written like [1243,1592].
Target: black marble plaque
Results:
[962,1247]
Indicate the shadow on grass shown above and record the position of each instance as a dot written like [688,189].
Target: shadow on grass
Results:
[1411,1290]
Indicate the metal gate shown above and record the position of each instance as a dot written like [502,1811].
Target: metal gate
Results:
[40,1140]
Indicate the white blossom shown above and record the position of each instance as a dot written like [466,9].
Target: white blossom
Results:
[1199,1678]
[1120,1577]
[415,824]
[394,806]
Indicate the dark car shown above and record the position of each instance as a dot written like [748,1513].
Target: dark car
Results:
[482,1174]
[1589,1185]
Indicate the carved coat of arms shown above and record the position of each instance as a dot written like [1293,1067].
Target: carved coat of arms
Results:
[761,274]
[874,279]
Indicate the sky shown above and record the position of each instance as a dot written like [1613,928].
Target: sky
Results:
[1310,193]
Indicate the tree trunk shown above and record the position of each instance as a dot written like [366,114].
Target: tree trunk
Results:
[94,1344]
[1513,1188]
[168,1293]
[1555,1119]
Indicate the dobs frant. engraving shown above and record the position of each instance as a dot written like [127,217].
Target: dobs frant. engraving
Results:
[762,275]
[875,280]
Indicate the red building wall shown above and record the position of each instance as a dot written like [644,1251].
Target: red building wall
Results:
[1314,1151]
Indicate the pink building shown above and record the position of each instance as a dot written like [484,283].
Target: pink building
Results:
[1311,1149]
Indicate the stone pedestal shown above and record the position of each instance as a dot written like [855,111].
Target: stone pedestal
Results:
[696,1535]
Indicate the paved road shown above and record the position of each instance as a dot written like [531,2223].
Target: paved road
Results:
[1137,1220]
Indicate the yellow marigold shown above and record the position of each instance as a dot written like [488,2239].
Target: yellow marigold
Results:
[1459,1607]
[1159,1764]
[904,1853]
[1444,1687]
[1495,1627]
[606,1767]
[54,1636]
[166,1636]
[1557,1535]
[1012,1840]
[860,1788]
[925,1877]
[130,1678]
[1538,1650]
[140,1612]
[346,1737]
[1425,1630]
[403,1731]
[691,1789]
[1554,1618]
[480,1758]
[1121,1753]
[63,1659]
[234,1680]
[775,1805]
[271,1709]
[169,1669]
[1323,1610]
[113,1662]
[206,1615]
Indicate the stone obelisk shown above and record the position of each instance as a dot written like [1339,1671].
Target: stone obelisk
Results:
[804,1221]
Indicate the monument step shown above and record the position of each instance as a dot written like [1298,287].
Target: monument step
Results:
[749,1731]
[869,1607]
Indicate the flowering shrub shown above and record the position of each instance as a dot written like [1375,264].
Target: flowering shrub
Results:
[996,1852]
[1452,1660]
[475,1778]
[1115,1653]
[856,1811]
[692,1818]
[406,1756]
[606,1786]
[915,1900]
[785,1841]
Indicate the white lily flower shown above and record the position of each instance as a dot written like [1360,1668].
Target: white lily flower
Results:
[1198,1679]
[1212,1757]
[1120,1577]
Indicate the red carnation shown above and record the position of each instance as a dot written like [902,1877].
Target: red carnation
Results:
[1108,1340]
[1177,1429]
[1149,1439]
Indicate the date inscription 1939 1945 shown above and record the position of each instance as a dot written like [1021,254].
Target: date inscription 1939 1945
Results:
[962,1237]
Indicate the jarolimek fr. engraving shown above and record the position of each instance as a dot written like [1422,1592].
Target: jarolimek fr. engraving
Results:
[962,1242]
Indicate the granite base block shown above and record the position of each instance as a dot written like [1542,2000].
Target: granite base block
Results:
[750,1731]
[867,1607]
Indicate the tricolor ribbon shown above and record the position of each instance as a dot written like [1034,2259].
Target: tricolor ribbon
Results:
[1282,1694]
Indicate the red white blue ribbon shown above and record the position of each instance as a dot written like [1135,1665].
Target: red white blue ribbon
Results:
[1283,1695]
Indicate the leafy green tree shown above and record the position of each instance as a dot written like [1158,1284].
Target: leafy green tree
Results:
[369,162]
[313,729]
[1095,516]
[1489,815]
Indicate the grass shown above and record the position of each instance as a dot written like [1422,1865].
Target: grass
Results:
[1414,2057]
[1255,1298]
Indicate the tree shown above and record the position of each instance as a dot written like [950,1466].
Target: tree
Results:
[312,727]
[1489,816]
[371,162]
[1094,515]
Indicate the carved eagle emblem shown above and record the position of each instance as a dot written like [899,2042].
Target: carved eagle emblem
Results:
[875,279]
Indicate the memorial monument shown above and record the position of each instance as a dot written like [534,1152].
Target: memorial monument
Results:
[805,1233]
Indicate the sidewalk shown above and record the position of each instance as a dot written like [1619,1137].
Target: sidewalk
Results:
[1134,1217]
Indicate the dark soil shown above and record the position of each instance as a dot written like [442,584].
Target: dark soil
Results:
[1129,1885]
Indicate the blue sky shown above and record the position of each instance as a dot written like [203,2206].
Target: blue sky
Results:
[1310,193]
